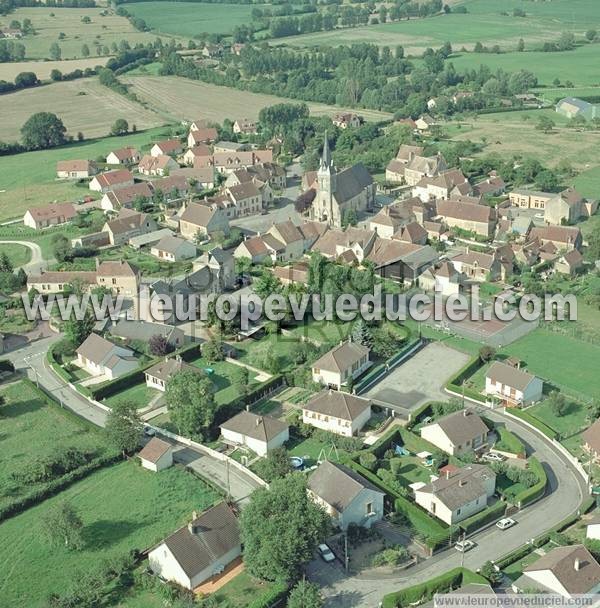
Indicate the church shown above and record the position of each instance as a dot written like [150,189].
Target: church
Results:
[339,192]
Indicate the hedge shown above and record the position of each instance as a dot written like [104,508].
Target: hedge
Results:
[493,513]
[6,366]
[538,424]
[424,592]
[514,556]
[271,597]
[55,365]
[455,383]
[536,491]
[422,411]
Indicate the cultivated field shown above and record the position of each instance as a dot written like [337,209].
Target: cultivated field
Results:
[50,22]
[190,18]
[178,98]
[42,69]
[83,105]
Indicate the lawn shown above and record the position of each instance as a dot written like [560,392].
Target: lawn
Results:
[28,420]
[515,570]
[566,362]
[413,471]
[241,591]
[18,255]
[123,507]
[254,352]
[190,18]
[508,441]
[572,422]
[140,394]
[588,183]
[313,450]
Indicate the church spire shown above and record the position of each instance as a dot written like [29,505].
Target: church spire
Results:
[326,156]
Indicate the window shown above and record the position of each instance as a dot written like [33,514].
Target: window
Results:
[369,508]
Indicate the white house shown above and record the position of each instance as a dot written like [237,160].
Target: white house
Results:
[123,156]
[337,412]
[99,357]
[173,249]
[75,169]
[443,278]
[592,529]
[200,550]
[346,496]
[568,571]
[49,215]
[512,385]
[156,455]
[259,433]
[457,433]
[459,494]
[158,375]
[111,180]
[341,364]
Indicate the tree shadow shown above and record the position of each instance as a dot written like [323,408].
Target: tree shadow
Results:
[347,599]
[13,410]
[104,532]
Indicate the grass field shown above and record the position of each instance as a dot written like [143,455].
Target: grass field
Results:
[588,183]
[42,69]
[572,422]
[140,394]
[19,255]
[83,105]
[190,18]
[123,507]
[50,22]
[178,98]
[27,420]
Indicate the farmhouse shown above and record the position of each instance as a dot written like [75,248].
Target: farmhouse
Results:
[200,550]
[158,375]
[124,198]
[457,433]
[394,172]
[127,224]
[55,282]
[156,455]
[591,440]
[478,266]
[337,412]
[198,219]
[569,263]
[167,147]
[512,385]
[343,120]
[458,495]
[259,433]
[159,165]
[564,238]
[111,180]
[50,215]
[345,495]
[568,571]
[173,249]
[99,357]
[480,219]
[245,126]
[75,169]
[120,277]
[191,154]
[341,365]
[203,135]
[123,156]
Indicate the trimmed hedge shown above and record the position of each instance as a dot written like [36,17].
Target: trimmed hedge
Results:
[424,592]
[473,523]
[536,491]
[538,424]
[455,383]
[271,597]
[514,556]
[55,365]
[6,366]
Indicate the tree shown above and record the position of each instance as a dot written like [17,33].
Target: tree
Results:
[120,127]
[361,334]
[545,124]
[124,426]
[191,402]
[487,353]
[281,528]
[85,50]
[61,247]
[547,180]
[276,465]
[55,52]
[62,526]
[159,346]
[240,380]
[521,45]
[56,75]
[558,403]
[77,330]
[591,35]
[5,263]
[489,571]
[213,350]
[43,130]
[266,284]
[305,595]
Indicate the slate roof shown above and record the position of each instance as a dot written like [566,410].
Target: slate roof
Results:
[351,182]
[95,348]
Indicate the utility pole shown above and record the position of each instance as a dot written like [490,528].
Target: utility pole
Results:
[228,479]
[462,553]
[346,556]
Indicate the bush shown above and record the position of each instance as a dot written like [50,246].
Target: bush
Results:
[536,491]
[271,597]
[479,520]
[390,557]
[368,460]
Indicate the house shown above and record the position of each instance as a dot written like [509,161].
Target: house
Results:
[59,281]
[199,219]
[394,172]
[259,433]
[513,386]
[190,155]
[99,357]
[387,221]
[111,180]
[478,266]
[211,51]
[127,224]
[343,120]
[204,178]
[144,331]
[149,239]
[341,365]
[226,162]
[572,107]
[424,122]
[123,156]
[173,187]
[591,441]
[338,193]
[569,571]
[173,249]
[444,278]
[458,495]
[569,263]
[294,274]
[245,126]
[50,215]
[75,169]
[156,455]
[568,207]
[592,527]
[564,238]
[120,277]
[529,199]
[246,198]
[493,185]
[230,146]
[444,185]
[125,198]
[347,497]
[420,167]
[411,233]
[202,135]
[457,433]
[200,550]
[337,412]
[159,374]
[221,263]
[160,165]
[480,219]
[11,33]
[166,147]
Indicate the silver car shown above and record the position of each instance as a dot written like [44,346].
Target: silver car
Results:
[326,553]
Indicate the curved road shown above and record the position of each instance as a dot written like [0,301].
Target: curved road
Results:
[566,491]
[37,261]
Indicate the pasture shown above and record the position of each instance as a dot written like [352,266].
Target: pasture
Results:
[179,98]
[191,18]
[19,255]
[49,23]
[123,507]
[42,69]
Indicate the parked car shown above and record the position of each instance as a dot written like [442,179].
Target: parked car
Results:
[464,545]
[326,553]
[149,431]
[505,523]
[493,457]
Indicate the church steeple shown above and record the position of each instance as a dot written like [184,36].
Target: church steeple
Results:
[326,155]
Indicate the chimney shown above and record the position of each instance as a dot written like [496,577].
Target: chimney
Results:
[97,263]
[577,564]
[462,483]
[247,407]
[259,421]
[447,473]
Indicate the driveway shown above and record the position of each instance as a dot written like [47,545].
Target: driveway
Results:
[37,262]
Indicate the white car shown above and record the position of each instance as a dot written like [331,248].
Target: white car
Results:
[464,545]
[492,457]
[326,553]
[505,523]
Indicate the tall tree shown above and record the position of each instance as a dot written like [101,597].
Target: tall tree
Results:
[305,595]
[77,330]
[62,526]
[124,426]
[281,528]
[43,130]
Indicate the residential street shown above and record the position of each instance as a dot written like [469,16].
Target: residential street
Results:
[37,262]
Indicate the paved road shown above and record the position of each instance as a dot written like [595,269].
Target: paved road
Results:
[37,261]
[32,359]
[563,499]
